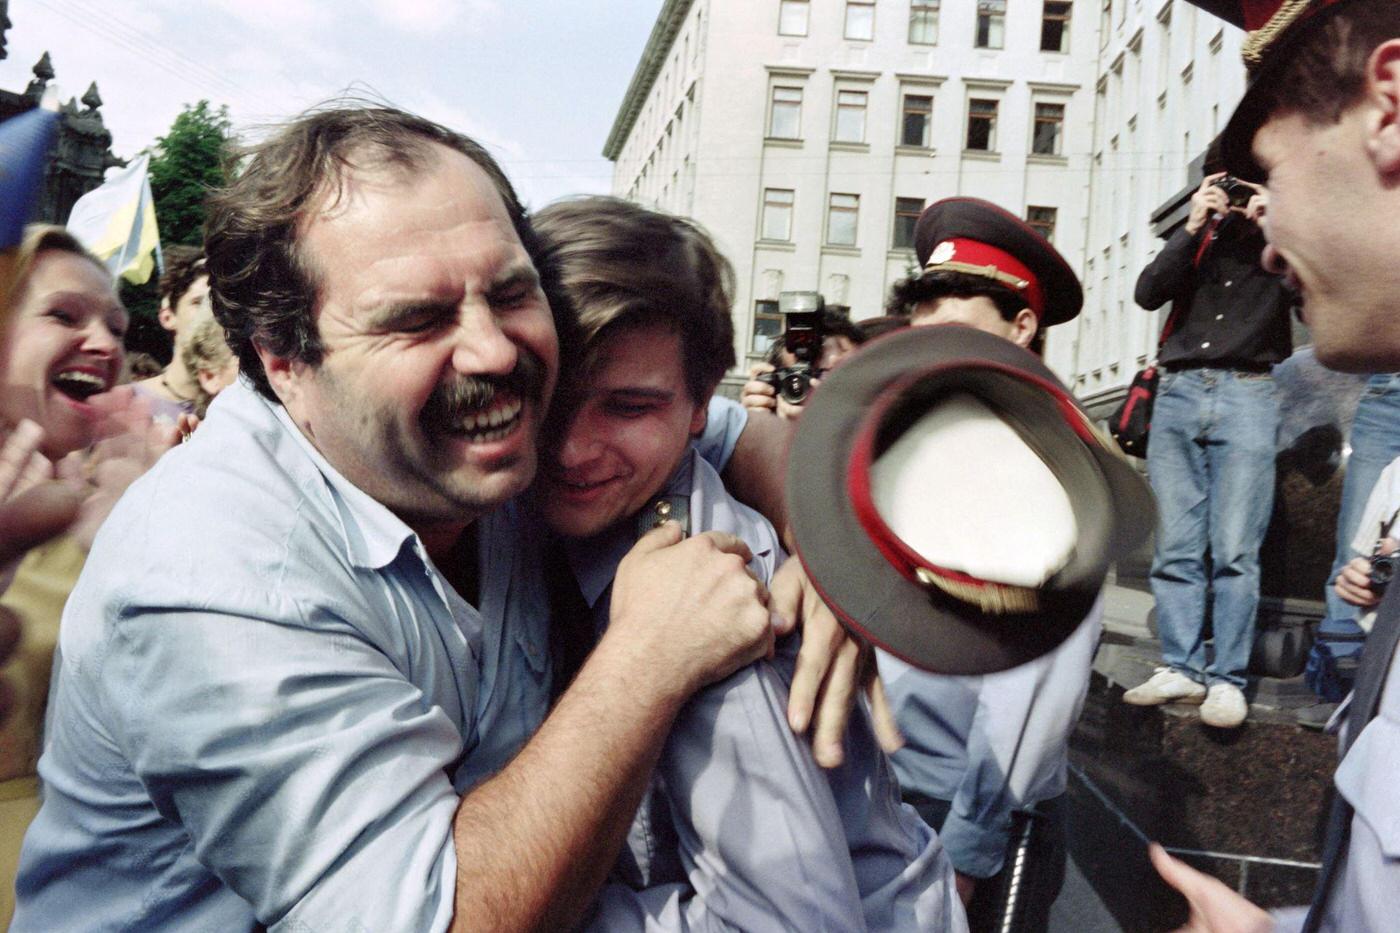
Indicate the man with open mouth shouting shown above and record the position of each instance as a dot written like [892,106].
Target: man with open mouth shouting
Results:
[306,670]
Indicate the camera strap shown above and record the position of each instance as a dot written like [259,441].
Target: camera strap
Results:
[1386,525]
[1212,231]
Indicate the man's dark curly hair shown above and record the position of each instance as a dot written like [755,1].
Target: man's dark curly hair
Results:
[183,267]
[908,293]
[1326,72]
[264,289]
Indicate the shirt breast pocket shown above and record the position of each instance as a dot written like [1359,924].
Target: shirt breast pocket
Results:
[1366,778]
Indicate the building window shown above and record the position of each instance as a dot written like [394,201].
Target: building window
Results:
[767,326]
[1042,221]
[777,214]
[860,19]
[785,118]
[918,121]
[842,212]
[850,116]
[906,217]
[982,125]
[991,24]
[1054,27]
[923,22]
[792,17]
[1049,128]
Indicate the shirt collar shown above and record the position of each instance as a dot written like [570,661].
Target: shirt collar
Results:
[594,560]
[373,535]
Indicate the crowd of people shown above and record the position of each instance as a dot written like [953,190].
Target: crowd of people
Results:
[465,604]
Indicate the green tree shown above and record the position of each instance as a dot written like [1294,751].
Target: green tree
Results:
[185,163]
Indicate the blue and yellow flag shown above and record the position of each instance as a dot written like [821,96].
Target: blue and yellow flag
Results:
[25,141]
[118,222]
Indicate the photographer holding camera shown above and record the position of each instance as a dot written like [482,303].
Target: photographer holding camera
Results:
[1364,579]
[814,340]
[1211,455]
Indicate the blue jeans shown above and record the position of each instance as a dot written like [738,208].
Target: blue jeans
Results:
[1211,464]
[1375,441]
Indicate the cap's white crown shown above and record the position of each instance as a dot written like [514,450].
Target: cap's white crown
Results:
[965,491]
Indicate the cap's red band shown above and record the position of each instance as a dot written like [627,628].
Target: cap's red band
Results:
[976,253]
[900,555]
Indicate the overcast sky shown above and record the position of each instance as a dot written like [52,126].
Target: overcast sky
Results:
[537,81]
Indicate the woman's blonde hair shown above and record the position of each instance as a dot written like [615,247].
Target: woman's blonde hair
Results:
[206,350]
[37,238]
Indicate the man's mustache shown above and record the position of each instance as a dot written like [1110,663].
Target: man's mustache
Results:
[466,394]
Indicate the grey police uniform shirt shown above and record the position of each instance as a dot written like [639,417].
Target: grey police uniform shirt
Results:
[741,829]
[247,726]
[1366,891]
[990,745]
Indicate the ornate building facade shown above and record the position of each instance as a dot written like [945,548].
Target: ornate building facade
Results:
[83,150]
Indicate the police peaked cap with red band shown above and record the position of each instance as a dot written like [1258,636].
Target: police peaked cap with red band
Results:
[940,612]
[976,237]
[1275,29]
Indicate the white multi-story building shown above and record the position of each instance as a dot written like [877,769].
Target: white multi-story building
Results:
[807,135]
[1169,77]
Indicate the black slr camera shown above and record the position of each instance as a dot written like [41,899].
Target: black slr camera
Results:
[802,337]
[1235,190]
[1383,566]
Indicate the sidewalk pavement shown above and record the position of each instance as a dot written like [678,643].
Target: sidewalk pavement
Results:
[1129,654]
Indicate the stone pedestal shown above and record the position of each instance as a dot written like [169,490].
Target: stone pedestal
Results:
[1250,802]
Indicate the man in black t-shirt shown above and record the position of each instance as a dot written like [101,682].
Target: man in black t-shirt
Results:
[1211,455]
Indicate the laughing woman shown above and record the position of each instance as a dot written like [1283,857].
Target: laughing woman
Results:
[60,357]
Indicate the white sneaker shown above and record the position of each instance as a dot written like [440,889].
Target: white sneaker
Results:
[1166,686]
[1224,707]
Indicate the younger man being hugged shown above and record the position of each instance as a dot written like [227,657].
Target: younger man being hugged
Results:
[740,824]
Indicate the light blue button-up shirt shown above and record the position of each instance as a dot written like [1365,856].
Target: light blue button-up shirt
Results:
[270,700]
[990,745]
[741,829]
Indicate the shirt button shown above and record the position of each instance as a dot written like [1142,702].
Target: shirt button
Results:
[1220,317]
[1229,282]
[1206,345]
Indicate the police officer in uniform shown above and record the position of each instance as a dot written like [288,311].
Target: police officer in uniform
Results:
[1319,126]
[985,756]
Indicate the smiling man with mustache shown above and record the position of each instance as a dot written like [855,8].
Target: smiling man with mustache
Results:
[306,674]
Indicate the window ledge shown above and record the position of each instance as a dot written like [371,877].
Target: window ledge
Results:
[1045,158]
[782,142]
[838,145]
[904,253]
[915,150]
[982,155]
[777,246]
[832,249]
